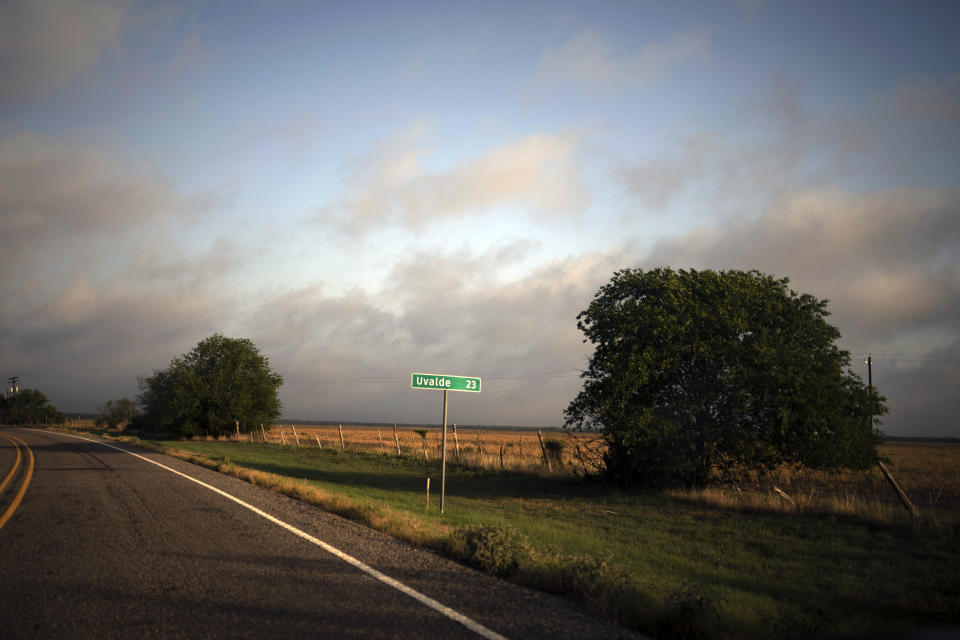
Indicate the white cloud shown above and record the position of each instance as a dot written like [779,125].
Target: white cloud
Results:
[587,58]
[44,45]
[537,173]
[69,206]
[482,326]
[52,190]
[928,96]
[727,171]
[887,249]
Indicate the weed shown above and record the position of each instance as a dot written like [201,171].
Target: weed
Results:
[600,585]
[496,550]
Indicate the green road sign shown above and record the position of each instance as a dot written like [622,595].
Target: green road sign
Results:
[440,382]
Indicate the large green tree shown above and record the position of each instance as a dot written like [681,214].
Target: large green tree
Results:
[29,406]
[701,370]
[220,381]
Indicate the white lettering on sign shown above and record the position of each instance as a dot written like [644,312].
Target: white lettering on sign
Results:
[433,381]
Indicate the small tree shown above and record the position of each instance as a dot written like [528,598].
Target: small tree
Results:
[220,381]
[29,406]
[695,370]
[116,414]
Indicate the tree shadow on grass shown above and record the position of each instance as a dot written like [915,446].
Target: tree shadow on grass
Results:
[410,478]
[807,612]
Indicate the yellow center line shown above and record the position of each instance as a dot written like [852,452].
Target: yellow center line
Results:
[26,482]
[16,464]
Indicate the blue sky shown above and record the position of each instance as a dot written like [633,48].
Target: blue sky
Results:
[370,189]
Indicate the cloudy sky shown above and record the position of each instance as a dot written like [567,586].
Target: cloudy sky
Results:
[370,189]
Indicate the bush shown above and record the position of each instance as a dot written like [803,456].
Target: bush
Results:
[115,415]
[600,585]
[495,550]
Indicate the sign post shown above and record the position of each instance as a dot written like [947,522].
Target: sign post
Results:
[437,382]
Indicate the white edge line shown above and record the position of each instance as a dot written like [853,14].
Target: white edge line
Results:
[441,608]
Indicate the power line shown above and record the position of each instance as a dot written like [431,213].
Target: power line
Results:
[567,373]
[916,357]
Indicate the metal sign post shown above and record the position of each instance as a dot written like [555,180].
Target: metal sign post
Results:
[443,456]
[436,382]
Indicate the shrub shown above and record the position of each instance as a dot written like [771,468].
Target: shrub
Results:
[495,550]
[600,585]
[116,414]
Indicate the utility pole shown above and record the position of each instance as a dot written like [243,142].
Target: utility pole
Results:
[869,363]
[12,380]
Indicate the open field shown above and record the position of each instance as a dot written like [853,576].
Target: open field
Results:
[513,449]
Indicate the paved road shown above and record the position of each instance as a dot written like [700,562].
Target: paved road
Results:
[107,544]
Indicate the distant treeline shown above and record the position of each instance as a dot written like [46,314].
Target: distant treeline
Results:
[920,439]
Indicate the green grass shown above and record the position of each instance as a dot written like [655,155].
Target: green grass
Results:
[665,565]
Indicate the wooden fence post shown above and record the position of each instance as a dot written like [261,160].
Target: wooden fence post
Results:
[396,439]
[319,446]
[283,437]
[456,442]
[501,457]
[479,446]
[543,450]
[380,439]
[263,433]
[780,492]
[295,436]
[238,428]
[340,431]
[900,493]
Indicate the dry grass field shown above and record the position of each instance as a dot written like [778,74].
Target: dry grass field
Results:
[928,472]
[509,449]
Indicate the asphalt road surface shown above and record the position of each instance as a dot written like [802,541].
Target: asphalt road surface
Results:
[108,544]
